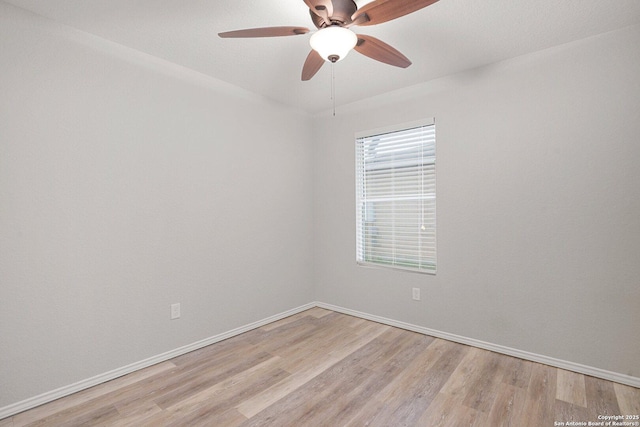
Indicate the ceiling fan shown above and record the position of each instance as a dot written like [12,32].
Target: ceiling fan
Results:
[334,39]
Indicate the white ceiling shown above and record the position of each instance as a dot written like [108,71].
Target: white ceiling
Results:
[445,38]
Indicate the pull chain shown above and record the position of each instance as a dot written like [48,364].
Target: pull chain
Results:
[333,88]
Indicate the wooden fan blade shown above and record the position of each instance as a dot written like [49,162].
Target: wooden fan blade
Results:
[311,66]
[381,11]
[380,51]
[360,20]
[265,32]
[322,8]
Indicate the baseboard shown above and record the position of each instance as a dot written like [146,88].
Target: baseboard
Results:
[50,396]
[557,363]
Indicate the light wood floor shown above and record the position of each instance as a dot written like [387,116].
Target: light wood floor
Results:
[320,368]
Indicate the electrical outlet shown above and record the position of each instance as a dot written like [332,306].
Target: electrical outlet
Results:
[416,294]
[175,311]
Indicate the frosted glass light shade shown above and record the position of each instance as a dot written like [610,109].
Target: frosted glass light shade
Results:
[333,43]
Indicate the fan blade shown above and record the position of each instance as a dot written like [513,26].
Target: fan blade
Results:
[380,51]
[322,8]
[265,32]
[360,20]
[381,11]
[311,66]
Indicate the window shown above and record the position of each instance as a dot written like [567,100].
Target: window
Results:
[396,197]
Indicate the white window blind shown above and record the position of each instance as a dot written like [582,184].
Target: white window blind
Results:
[396,197]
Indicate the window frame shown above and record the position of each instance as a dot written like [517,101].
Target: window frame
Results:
[361,202]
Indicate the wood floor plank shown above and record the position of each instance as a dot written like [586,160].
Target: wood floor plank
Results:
[350,342]
[79,405]
[419,383]
[223,400]
[199,418]
[441,412]
[290,319]
[416,376]
[84,415]
[181,391]
[260,402]
[347,406]
[539,406]
[286,335]
[465,416]
[323,368]
[326,336]
[601,397]
[215,351]
[465,375]
[325,406]
[571,388]
[394,354]
[447,411]
[219,399]
[89,394]
[129,408]
[483,388]
[628,399]
[507,407]
[308,399]
[318,312]
[517,372]
[566,412]
[254,405]
[237,388]
[134,415]
[183,379]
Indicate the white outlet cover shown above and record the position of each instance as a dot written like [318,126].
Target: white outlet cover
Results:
[416,294]
[175,311]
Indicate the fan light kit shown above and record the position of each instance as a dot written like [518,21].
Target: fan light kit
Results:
[333,43]
[334,39]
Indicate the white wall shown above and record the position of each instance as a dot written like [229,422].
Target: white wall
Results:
[128,184]
[538,205]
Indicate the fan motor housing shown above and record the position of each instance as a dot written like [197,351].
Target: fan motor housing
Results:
[343,10]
